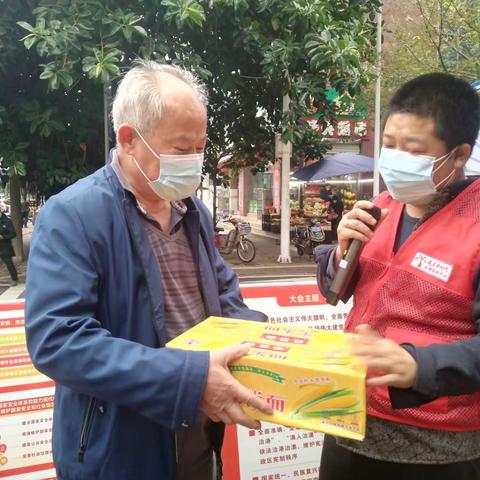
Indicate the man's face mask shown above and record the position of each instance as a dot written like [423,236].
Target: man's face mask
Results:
[409,178]
[179,177]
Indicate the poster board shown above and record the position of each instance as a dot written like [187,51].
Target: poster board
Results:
[26,404]
[274,453]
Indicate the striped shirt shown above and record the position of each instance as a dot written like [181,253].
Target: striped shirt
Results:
[183,302]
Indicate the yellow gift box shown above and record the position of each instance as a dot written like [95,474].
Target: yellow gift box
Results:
[309,377]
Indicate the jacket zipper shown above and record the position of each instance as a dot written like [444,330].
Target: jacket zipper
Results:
[85,428]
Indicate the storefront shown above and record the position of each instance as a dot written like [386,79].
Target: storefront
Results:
[311,202]
[258,196]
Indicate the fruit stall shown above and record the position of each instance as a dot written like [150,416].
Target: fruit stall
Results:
[310,203]
[316,206]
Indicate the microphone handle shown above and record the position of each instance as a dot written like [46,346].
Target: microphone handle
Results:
[346,269]
[349,264]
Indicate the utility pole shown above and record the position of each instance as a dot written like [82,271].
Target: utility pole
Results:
[105,121]
[285,197]
[378,91]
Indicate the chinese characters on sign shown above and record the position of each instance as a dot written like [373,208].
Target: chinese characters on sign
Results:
[26,405]
[346,128]
[278,448]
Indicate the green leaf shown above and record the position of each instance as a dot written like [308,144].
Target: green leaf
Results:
[29,42]
[184,12]
[26,26]
[312,44]
[111,56]
[112,68]
[53,82]
[65,78]
[141,30]
[114,29]
[127,33]
[19,168]
[46,74]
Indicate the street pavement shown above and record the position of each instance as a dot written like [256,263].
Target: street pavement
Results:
[264,267]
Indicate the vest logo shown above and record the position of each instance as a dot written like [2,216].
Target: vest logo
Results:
[432,266]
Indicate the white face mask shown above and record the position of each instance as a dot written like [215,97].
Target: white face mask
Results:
[179,177]
[409,178]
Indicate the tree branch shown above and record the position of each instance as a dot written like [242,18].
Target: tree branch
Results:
[465,20]
[456,50]
[440,36]
[428,25]
[414,55]
[253,78]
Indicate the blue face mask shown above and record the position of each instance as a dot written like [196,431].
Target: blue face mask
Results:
[409,178]
[179,177]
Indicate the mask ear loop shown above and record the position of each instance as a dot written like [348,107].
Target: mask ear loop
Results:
[446,157]
[153,153]
[141,171]
[148,146]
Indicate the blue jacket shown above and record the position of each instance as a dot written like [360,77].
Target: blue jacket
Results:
[95,324]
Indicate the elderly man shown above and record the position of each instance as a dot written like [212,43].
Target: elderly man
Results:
[120,263]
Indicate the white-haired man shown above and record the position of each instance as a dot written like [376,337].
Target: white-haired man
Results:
[120,263]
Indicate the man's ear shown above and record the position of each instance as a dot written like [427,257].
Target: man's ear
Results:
[126,137]
[462,154]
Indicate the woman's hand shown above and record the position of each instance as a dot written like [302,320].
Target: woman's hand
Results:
[356,224]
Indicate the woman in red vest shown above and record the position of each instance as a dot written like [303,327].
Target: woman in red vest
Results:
[416,294]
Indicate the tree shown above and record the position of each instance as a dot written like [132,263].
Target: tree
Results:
[16,67]
[250,53]
[50,132]
[431,35]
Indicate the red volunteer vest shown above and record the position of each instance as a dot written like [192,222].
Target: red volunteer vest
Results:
[423,295]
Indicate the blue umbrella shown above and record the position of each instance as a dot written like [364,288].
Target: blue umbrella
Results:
[335,166]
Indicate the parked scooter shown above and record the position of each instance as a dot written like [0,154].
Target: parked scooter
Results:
[306,237]
[235,239]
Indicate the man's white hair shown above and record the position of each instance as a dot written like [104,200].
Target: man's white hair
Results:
[139,100]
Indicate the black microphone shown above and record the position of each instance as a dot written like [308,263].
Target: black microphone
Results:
[348,264]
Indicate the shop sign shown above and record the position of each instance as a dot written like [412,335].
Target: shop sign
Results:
[345,128]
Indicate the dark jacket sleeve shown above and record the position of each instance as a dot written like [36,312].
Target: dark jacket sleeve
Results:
[69,344]
[446,369]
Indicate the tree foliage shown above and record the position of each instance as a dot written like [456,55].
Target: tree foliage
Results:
[250,53]
[432,35]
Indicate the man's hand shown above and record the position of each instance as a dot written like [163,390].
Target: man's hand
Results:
[387,362]
[356,224]
[223,395]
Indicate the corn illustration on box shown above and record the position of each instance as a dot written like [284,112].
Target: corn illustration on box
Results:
[308,376]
